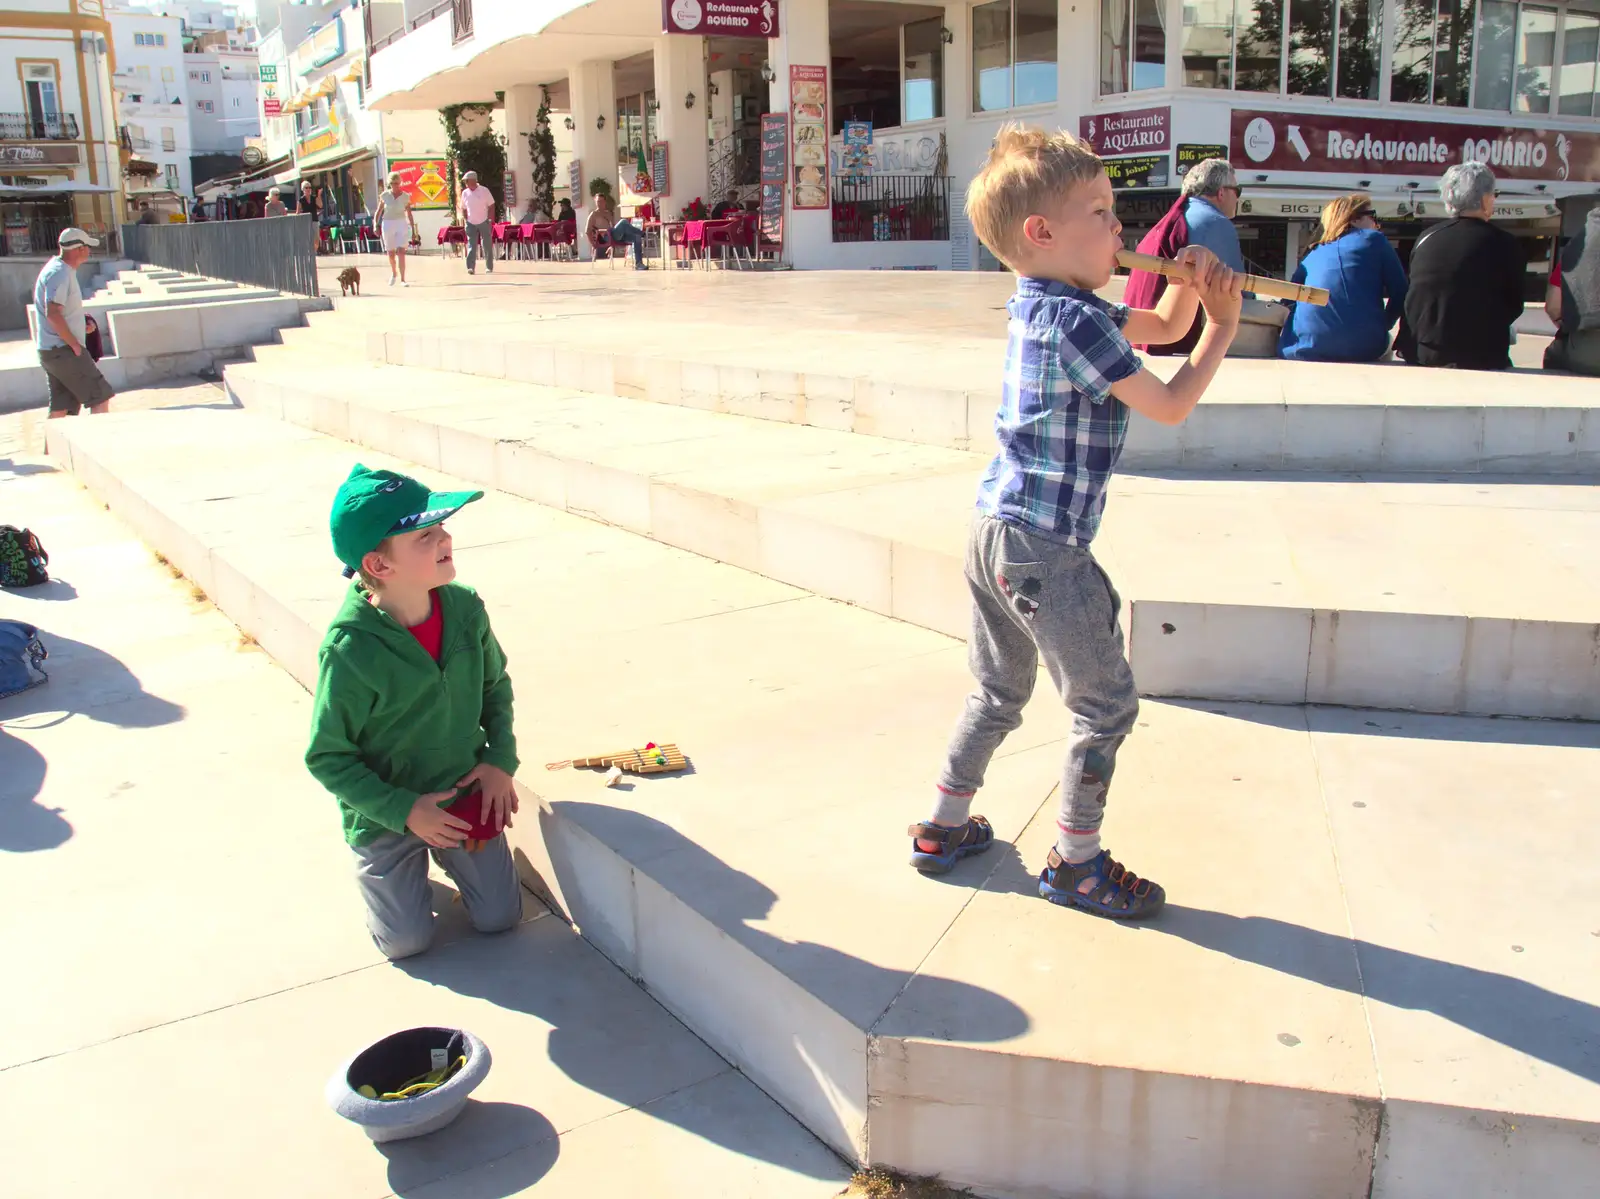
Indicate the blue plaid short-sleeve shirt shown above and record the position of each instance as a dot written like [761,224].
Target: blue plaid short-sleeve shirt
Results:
[1060,429]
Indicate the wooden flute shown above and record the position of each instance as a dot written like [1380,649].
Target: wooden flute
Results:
[1261,285]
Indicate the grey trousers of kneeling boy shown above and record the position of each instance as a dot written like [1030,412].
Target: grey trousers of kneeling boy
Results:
[393,873]
[1039,598]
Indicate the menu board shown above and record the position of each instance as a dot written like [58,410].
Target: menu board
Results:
[856,161]
[774,173]
[658,169]
[575,184]
[1146,170]
[808,106]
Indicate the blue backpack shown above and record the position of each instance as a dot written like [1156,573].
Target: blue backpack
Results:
[22,657]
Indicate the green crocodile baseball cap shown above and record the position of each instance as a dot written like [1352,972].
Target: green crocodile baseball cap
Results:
[374,504]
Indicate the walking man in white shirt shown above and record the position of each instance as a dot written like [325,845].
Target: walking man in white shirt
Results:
[477,213]
[75,380]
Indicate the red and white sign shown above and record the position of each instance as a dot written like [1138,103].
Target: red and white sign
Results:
[720,18]
[1131,131]
[1326,142]
[808,110]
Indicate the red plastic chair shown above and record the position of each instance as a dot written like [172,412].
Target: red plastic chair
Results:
[736,234]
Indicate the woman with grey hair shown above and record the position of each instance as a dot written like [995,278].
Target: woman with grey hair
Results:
[1203,216]
[1467,279]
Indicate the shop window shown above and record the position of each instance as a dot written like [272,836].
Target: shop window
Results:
[924,70]
[1310,47]
[1360,49]
[1580,64]
[1258,66]
[1497,35]
[1433,52]
[1208,44]
[1013,54]
[1133,45]
[1536,58]
[866,47]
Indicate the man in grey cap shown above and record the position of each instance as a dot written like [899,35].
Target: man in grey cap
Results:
[477,214]
[60,333]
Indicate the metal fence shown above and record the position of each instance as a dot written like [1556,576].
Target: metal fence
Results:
[891,208]
[34,237]
[273,252]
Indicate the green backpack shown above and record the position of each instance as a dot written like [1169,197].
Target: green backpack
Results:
[22,558]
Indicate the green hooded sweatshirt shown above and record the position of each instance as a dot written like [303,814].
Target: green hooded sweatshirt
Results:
[389,723]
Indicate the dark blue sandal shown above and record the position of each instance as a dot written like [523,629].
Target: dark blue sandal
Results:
[1102,886]
[974,836]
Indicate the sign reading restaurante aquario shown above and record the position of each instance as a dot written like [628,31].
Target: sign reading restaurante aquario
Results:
[1300,141]
[721,18]
[1133,131]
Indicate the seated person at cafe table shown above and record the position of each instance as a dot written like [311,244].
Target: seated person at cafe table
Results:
[604,229]
[728,207]
[564,211]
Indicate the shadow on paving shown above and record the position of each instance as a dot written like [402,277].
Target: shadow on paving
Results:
[487,1147]
[1554,1028]
[84,681]
[509,981]
[1422,726]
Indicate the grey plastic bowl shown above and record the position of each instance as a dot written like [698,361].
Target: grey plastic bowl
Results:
[388,1063]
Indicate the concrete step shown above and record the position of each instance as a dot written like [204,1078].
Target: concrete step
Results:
[1345,591]
[1327,1008]
[118,977]
[1265,415]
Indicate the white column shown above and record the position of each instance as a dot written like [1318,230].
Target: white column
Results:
[680,64]
[594,100]
[808,234]
[522,105]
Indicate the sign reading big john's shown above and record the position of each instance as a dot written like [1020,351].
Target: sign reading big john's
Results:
[1288,141]
[729,18]
[1132,131]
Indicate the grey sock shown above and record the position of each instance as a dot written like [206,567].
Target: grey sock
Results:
[951,808]
[1078,847]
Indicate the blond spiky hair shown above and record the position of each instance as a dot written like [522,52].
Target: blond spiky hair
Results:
[1027,171]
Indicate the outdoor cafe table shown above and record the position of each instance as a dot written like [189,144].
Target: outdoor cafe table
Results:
[453,235]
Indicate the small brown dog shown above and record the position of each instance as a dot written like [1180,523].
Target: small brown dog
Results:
[349,281]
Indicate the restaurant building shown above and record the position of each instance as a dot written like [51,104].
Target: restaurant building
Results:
[61,157]
[876,115]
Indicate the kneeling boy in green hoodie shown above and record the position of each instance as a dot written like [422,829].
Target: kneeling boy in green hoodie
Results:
[411,727]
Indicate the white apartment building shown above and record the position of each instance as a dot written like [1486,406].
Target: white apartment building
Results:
[223,109]
[152,94]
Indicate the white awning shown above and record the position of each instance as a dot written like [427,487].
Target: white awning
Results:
[1306,203]
[55,189]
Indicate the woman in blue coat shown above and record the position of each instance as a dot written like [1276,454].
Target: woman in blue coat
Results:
[1366,289]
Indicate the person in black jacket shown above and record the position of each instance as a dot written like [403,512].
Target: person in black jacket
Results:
[1466,281]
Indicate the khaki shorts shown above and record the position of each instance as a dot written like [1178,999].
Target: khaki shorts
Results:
[75,380]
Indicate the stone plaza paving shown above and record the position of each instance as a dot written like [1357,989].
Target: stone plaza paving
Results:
[1377,974]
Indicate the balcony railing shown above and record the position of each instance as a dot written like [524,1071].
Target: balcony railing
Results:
[460,20]
[417,22]
[891,208]
[39,127]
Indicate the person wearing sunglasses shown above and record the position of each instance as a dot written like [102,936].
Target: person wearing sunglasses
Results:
[1202,216]
[1366,289]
